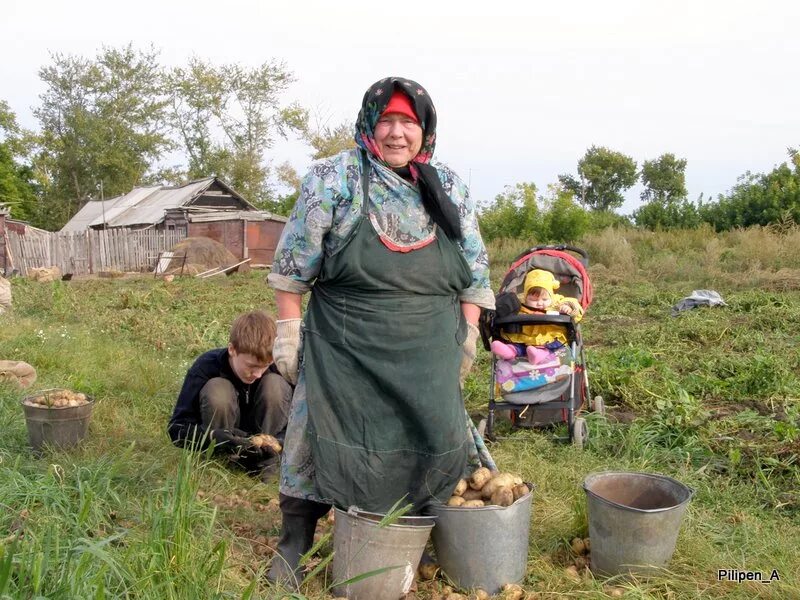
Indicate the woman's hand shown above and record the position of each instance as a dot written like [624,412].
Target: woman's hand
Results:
[286,349]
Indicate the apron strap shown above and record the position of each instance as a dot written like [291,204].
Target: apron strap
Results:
[365,168]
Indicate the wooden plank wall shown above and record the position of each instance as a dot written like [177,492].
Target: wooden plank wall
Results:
[92,251]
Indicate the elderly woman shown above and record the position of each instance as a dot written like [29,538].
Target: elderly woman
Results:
[389,247]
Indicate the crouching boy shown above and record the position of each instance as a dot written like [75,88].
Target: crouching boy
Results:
[230,395]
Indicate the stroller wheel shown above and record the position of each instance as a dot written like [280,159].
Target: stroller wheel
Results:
[580,433]
[599,405]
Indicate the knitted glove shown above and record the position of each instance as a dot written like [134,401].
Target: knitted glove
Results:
[469,350]
[230,441]
[286,349]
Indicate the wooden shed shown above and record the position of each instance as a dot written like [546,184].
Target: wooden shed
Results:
[247,234]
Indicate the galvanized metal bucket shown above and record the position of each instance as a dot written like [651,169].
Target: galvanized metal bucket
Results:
[362,545]
[634,519]
[484,547]
[60,427]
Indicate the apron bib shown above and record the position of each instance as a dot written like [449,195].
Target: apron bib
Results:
[382,349]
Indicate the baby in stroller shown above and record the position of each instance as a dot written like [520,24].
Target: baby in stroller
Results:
[536,342]
[538,365]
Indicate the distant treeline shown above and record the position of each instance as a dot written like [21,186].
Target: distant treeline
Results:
[583,203]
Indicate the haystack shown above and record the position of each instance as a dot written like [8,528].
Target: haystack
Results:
[203,254]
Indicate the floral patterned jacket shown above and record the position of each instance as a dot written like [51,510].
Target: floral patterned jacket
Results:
[329,207]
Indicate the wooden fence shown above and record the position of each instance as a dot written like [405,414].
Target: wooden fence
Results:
[91,251]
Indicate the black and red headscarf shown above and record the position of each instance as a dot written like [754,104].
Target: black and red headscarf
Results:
[439,206]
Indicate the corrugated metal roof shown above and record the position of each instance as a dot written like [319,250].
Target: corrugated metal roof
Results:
[90,212]
[125,202]
[151,208]
[140,206]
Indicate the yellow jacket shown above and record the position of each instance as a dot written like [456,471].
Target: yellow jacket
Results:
[539,335]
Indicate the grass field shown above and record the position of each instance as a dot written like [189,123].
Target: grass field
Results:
[711,397]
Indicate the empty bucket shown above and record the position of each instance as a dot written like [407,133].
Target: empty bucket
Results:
[634,520]
[485,547]
[362,545]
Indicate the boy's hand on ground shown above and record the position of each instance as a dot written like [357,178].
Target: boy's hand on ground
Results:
[469,350]
[286,349]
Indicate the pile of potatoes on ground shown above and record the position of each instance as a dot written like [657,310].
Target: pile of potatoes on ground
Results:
[57,399]
[488,488]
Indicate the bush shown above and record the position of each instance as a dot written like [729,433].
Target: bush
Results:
[678,214]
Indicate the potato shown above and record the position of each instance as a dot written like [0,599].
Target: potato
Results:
[479,594]
[503,496]
[513,591]
[501,480]
[578,546]
[588,544]
[262,440]
[520,490]
[479,478]
[471,494]
[455,596]
[427,571]
[455,501]
[572,573]
[473,504]
[461,487]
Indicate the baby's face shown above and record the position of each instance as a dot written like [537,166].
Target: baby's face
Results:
[538,298]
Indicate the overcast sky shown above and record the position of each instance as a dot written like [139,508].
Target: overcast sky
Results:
[521,93]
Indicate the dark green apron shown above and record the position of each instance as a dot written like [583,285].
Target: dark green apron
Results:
[382,349]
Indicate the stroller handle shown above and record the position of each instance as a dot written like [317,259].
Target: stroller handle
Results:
[561,248]
[564,320]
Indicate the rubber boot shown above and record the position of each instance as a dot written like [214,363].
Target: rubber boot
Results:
[297,536]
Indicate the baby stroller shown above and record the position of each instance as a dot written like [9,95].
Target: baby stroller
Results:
[546,394]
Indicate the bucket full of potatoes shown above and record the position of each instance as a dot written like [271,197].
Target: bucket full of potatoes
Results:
[481,534]
[57,417]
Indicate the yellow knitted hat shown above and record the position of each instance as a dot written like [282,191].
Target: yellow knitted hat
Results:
[542,279]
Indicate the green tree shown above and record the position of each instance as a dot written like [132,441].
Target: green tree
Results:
[328,141]
[664,179]
[102,122]
[665,204]
[759,199]
[514,213]
[17,186]
[675,214]
[562,219]
[603,175]
[228,116]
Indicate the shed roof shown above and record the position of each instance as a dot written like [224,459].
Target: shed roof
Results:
[142,205]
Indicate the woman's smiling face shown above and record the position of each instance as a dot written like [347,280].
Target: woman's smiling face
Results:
[399,138]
